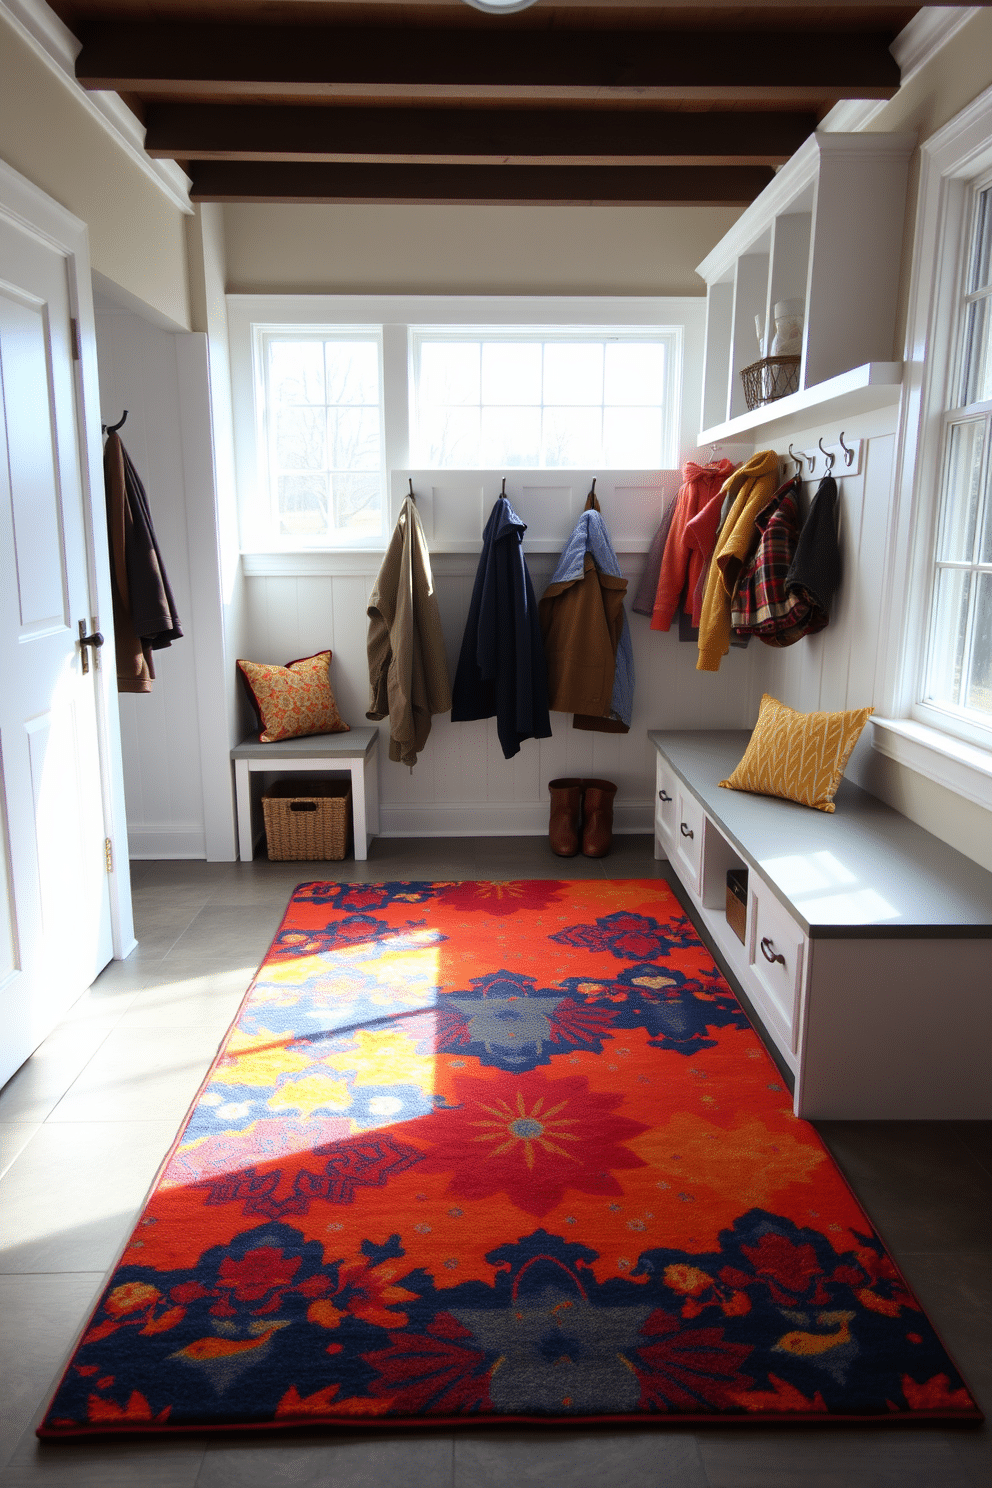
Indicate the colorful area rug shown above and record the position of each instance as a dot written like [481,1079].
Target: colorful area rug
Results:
[480,1152]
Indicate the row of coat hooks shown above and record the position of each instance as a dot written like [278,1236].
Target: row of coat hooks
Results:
[112,428]
[410,478]
[836,459]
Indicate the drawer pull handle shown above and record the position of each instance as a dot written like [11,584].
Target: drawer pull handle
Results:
[769,953]
[664,796]
[685,830]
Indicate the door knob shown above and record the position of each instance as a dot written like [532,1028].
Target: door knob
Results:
[95,640]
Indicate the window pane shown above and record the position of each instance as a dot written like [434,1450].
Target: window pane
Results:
[300,439]
[949,637]
[962,492]
[981,262]
[450,437]
[985,542]
[296,372]
[511,372]
[511,436]
[572,437]
[357,504]
[632,438]
[635,373]
[976,366]
[979,694]
[352,372]
[302,505]
[449,372]
[353,438]
[573,373]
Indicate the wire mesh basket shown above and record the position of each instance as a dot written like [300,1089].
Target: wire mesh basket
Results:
[307,820]
[772,378]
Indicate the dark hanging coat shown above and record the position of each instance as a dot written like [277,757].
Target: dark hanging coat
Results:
[501,669]
[145,618]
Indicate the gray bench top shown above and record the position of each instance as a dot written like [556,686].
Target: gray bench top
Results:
[863,870]
[355,744]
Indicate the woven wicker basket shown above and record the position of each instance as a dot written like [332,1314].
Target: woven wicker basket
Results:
[772,378]
[308,820]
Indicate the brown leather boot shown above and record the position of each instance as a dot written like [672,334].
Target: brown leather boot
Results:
[597,826]
[566,812]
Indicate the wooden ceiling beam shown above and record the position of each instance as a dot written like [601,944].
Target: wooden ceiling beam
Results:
[166,58]
[494,136]
[245,181]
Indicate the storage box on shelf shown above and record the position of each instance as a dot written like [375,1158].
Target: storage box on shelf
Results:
[868,942]
[827,231]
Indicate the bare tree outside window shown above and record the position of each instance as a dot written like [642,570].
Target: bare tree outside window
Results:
[324,426]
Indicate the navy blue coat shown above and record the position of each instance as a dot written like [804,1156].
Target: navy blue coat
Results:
[501,669]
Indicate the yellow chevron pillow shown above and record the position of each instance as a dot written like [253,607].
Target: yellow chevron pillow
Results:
[798,756]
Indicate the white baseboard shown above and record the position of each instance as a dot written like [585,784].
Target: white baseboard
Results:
[495,819]
[165,841]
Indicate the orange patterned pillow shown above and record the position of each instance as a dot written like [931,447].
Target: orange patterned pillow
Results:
[293,700]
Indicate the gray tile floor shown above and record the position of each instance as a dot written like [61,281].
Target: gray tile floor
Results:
[85,1123]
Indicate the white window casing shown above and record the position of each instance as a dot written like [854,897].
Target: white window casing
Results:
[944,744]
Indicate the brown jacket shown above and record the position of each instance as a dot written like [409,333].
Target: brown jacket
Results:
[582,623]
[145,617]
[408,668]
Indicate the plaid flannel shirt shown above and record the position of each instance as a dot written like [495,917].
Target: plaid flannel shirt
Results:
[762,605]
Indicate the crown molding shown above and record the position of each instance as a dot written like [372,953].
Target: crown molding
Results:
[54,43]
[930,29]
[851,115]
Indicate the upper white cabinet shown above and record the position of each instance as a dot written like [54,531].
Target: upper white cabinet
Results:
[827,231]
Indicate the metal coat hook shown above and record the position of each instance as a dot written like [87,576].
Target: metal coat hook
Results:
[112,428]
[829,455]
[593,491]
[797,459]
[412,496]
[503,492]
[848,452]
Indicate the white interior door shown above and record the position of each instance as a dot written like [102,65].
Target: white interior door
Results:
[55,925]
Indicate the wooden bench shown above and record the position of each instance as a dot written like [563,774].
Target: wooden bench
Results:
[867,955]
[353,753]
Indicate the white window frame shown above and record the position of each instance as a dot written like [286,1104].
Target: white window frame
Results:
[929,740]
[671,336]
[268,513]
[394,315]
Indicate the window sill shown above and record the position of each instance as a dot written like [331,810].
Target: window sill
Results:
[965,769]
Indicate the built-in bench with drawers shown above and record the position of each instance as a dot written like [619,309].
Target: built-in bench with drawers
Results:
[867,951]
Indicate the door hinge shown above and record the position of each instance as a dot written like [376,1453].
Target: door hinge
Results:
[74,336]
[108,848]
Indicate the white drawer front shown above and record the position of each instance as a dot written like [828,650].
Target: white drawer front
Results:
[776,952]
[688,837]
[664,805]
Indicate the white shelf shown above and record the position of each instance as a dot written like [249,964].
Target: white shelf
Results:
[875,385]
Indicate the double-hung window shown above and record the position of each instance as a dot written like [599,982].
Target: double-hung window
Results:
[956,682]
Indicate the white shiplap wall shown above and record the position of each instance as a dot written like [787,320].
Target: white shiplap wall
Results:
[175,738]
[840,667]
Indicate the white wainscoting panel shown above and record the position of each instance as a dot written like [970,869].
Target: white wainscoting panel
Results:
[170,733]
[838,667]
